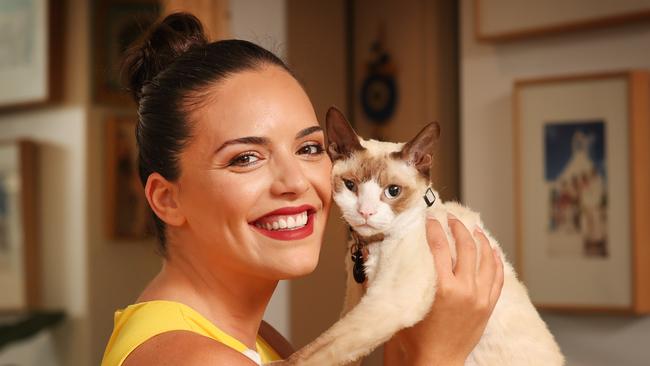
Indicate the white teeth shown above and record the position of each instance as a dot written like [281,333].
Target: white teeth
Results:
[285,222]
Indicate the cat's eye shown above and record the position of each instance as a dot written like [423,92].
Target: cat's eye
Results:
[350,185]
[392,191]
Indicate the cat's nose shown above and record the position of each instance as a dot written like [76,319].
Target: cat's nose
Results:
[366,213]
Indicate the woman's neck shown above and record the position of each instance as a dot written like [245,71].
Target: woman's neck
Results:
[232,301]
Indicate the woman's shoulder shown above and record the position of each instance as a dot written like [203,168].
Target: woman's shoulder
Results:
[185,348]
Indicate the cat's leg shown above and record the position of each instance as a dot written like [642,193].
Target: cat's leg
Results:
[387,307]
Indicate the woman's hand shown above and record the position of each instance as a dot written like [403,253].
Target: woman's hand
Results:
[463,304]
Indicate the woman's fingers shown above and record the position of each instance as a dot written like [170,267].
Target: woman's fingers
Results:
[439,247]
[466,249]
[487,265]
[497,285]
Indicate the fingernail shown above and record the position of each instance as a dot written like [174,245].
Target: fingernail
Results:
[478,230]
[451,216]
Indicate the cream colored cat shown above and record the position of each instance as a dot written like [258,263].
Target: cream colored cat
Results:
[379,187]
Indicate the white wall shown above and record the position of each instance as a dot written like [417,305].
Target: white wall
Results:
[487,75]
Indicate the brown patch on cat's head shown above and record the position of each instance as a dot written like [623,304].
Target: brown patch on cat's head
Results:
[364,167]
[342,141]
[418,152]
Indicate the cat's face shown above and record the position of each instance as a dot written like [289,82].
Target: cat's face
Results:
[375,182]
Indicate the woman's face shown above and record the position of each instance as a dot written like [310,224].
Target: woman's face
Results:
[255,180]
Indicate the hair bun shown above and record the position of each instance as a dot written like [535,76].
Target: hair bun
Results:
[158,48]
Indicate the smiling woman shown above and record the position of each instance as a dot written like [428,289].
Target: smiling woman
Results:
[232,160]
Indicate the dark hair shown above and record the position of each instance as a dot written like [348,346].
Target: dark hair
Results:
[168,72]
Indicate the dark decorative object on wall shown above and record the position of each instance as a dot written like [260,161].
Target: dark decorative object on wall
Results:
[117,24]
[379,87]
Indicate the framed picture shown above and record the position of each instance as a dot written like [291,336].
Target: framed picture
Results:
[582,188]
[30,57]
[118,23]
[127,215]
[504,20]
[19,254]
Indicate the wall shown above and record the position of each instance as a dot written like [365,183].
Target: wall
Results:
[487,75]
[60,132]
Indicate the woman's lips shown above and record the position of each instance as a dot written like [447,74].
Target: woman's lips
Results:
[287,223]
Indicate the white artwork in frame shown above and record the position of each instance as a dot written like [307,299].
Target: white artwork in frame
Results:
[24,54]
[577,236]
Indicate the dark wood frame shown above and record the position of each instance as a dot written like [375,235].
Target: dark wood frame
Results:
[555,28]
[29,198]
[102,94]
[55,51]
[639,154]
[112,125]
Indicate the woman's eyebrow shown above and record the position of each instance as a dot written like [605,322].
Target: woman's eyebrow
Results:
[249,140]
[308,131]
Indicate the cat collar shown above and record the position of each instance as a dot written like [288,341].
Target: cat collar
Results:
[359,251]
[429,197]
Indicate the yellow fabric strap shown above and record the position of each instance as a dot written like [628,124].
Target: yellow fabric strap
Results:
[139,322]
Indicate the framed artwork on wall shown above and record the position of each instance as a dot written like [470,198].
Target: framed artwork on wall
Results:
[127,211]
[504,20]
[117,24]
[582,187]
[30,53]
[19,254]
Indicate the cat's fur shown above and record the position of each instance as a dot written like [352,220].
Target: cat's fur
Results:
[401,278]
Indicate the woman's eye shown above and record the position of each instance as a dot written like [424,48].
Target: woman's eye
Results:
[349,185]
[244,160]
[392,191]
[312,149]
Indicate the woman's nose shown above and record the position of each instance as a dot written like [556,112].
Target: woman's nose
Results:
[289,178]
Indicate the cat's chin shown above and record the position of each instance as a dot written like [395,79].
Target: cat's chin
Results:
[366,230]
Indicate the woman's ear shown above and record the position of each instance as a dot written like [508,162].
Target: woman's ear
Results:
[342,141]
[163,199]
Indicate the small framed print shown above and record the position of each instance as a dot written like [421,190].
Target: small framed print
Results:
[127,211]
[582,187]
[19,254]
[30,53]
[117,24]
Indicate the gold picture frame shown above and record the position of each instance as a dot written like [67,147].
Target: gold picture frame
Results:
[508,20]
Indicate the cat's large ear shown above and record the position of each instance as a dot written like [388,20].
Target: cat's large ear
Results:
[419,151]
[342,141]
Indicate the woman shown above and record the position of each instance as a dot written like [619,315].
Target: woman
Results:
[228,142]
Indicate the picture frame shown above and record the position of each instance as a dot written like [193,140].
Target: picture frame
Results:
[19,227]
[31,66]
[582,191]
[128,216]
[117,24]
[507,20]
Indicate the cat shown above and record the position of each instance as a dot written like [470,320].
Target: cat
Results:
[379,187]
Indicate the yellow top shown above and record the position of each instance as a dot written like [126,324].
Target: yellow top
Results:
[139,322]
